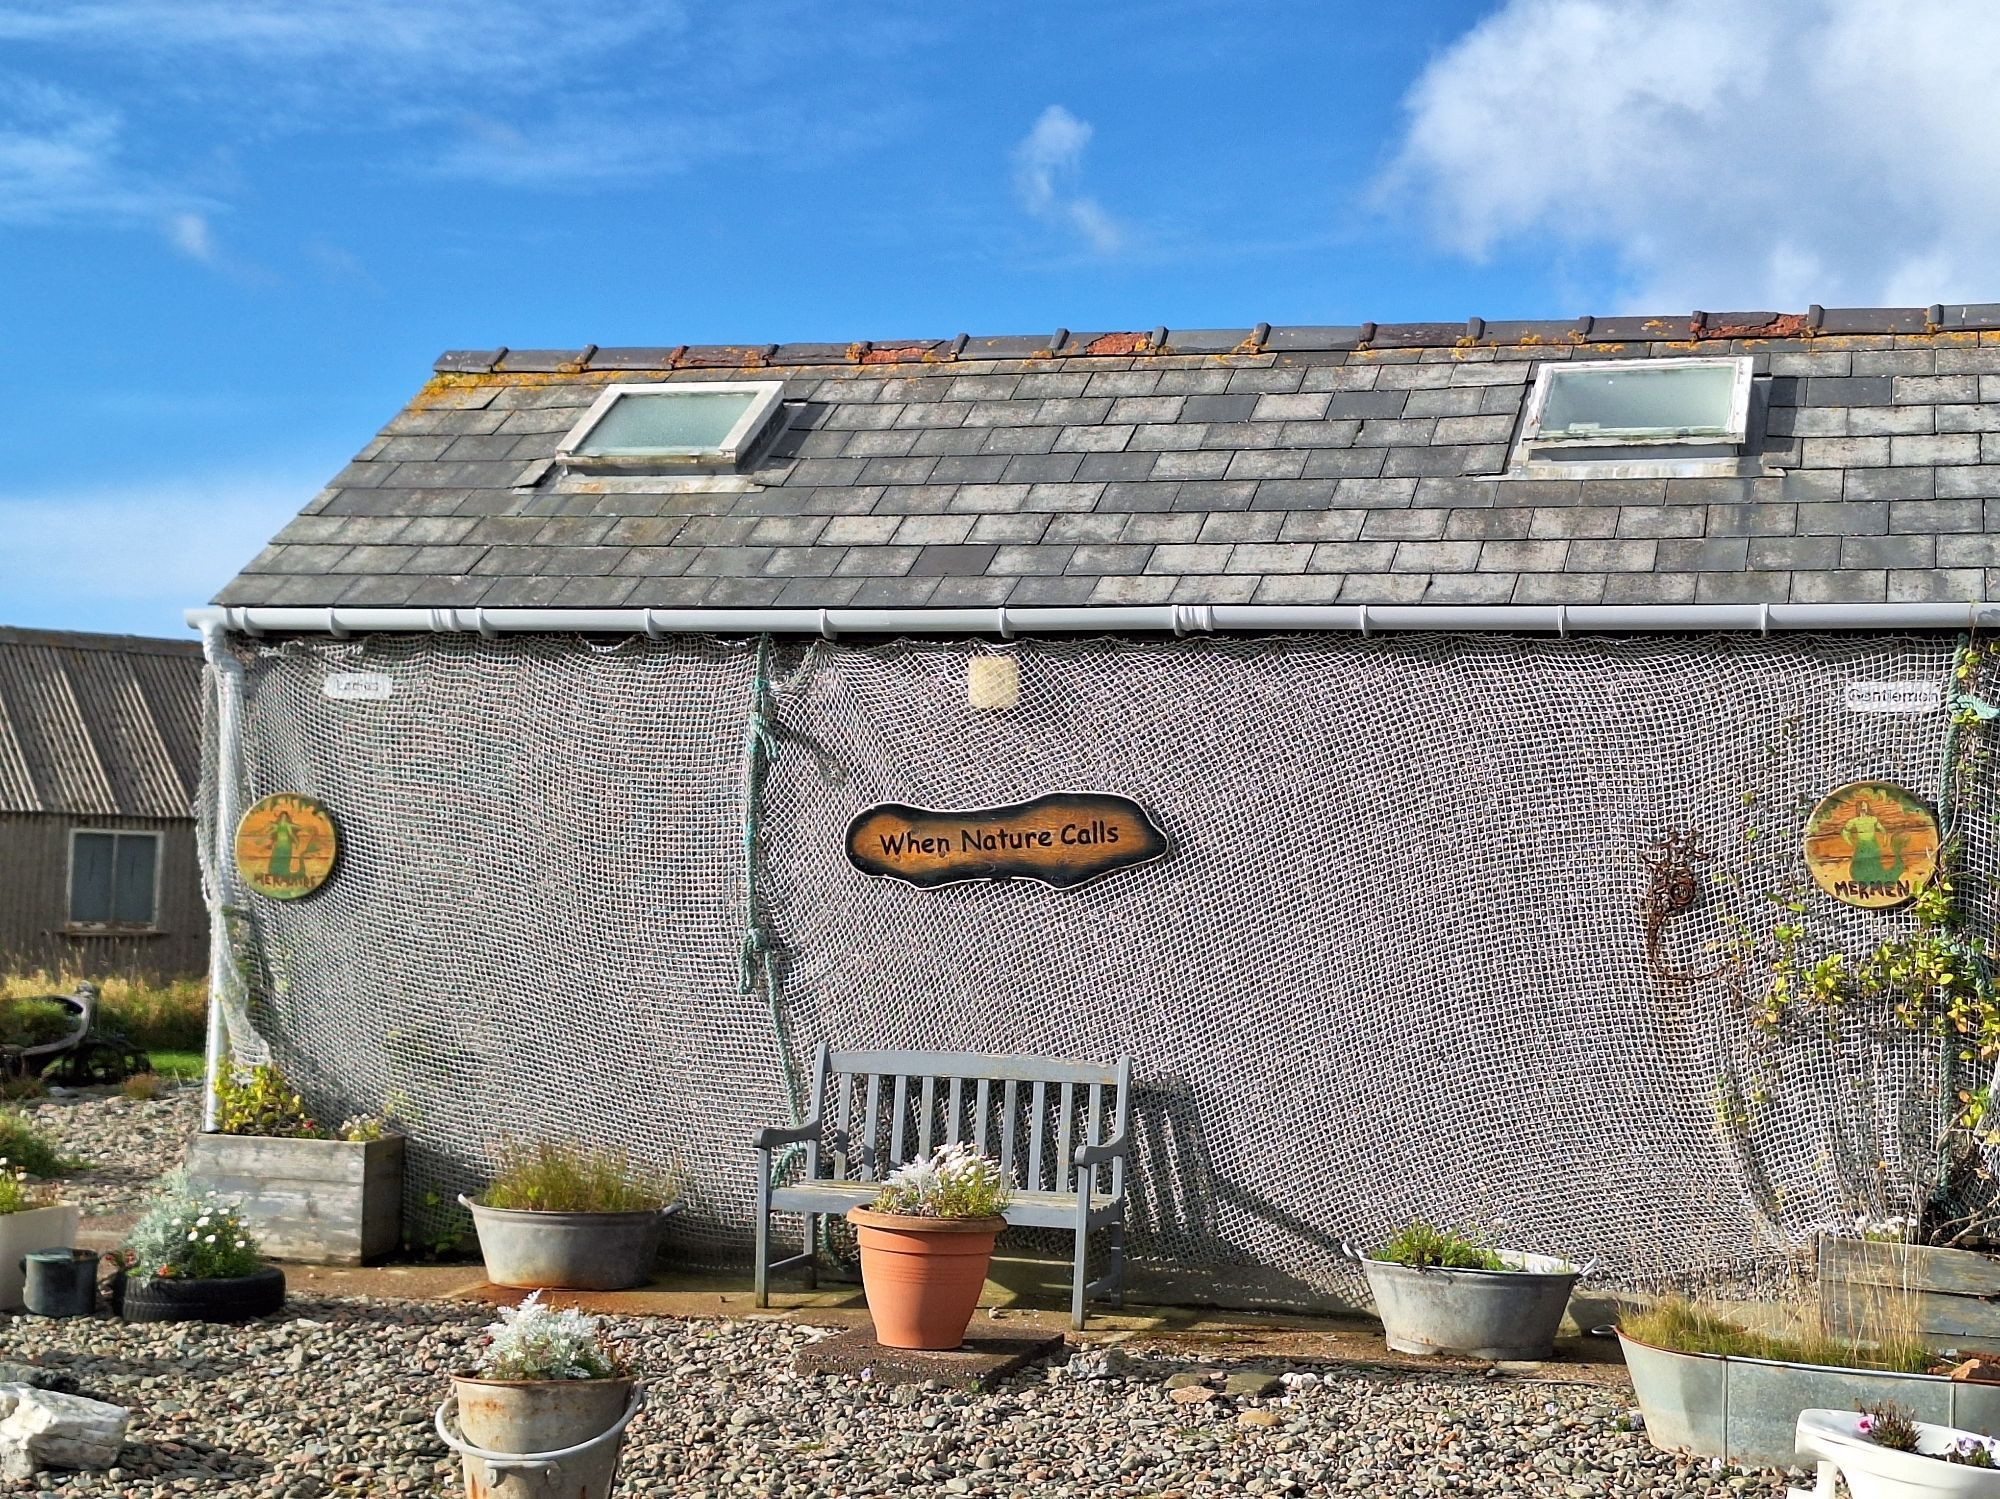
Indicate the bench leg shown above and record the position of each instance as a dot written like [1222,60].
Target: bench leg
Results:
[1116,1274]
[811,1247]
[763,1281]
[1079,1269]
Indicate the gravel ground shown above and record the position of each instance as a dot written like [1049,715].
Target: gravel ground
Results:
[126,1143]
[335,1399]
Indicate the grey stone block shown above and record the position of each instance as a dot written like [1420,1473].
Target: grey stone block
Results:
[1270,557]
[1504,556]
[1856,587]
[1200,464]
[1509,524]
[1043,468]
[1936,585]
[1937,515]
[1367,403]
[1856,390]
[1437,557]
[1469,588]
[933,530]
[1890,484]
[1423,462]
[1111,558]
[1554,522]
[1704,555]
[1404,525]
[1275,463]
[1936,390]
[1345,463]
[1888,551]
[1952,448]
[1895,421]
[1219,408]
[1306,407]
[1743,588]
[1352,556]
[1592,555]
[1847,452]
[1118,466]
[1844,518]
[1248,526]
[1804,553]
[1299,588]
[1211,557]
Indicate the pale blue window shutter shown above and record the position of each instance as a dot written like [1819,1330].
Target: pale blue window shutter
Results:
[132,892]
[91,877]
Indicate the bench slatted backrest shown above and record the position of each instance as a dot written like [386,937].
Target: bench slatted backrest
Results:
[1031,1111]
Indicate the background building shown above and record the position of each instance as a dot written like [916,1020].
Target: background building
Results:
[100,753]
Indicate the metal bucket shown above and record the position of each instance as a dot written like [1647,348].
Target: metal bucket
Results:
[60,1282]
[1496,1314]
[568,1251]
[534,1439]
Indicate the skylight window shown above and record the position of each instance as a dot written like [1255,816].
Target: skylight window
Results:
[1658,409]
[641,428]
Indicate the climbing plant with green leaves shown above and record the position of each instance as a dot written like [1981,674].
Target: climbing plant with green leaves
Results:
[1936,976]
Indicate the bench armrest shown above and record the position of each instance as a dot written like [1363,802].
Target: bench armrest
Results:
[803,1134]
[1111,1150]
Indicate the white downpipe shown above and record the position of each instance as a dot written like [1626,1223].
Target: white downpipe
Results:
[228,744]
[1561,620]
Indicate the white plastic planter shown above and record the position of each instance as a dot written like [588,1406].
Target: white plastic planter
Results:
[23,1233]
[1833,1441]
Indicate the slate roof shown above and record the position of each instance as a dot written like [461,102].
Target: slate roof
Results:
[98,725]
[1266,465]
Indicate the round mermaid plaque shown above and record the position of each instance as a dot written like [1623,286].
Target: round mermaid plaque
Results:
[1871,844]
[286,846]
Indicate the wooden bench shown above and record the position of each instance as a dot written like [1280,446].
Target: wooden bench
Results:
[1057,1128]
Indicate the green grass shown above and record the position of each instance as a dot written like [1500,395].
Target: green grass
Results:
[556,1177]
[1687,1328]
[25,1148]
[181,1066]
[172,1016]
[1421,1246]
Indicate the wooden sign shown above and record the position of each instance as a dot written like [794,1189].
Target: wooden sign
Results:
[1871,844]
[1062,840]
[286,846]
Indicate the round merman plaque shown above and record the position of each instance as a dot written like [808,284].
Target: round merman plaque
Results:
[286,846]
[1871,844]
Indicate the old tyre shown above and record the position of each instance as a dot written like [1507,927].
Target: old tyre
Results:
[235,1299]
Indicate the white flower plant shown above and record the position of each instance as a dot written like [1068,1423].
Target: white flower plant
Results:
[955,1182]
[184,1237]
[534,1341]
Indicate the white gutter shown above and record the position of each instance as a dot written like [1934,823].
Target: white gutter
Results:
[228,741]
[1173,619]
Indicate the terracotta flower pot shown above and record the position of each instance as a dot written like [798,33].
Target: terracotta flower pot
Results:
[923,1276]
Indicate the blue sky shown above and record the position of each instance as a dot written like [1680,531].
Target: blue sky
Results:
[234,233]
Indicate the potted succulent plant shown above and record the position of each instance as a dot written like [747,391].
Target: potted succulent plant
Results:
[926,1242]
[568,1216]
[332,1197]
[31,1218]
[1438,1291]
[192,1258]
[544,1399]
[1883,1453]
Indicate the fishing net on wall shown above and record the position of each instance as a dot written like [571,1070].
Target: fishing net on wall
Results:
[1396,965]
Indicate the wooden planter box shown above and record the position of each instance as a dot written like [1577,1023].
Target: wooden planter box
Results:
[322,1202]
[1955,1292]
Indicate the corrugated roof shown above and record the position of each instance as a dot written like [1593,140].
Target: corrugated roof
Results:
[1287,465]
[99,724]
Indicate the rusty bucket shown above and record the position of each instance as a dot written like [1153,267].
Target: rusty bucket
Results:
[539,1438]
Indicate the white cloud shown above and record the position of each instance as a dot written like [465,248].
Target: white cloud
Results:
[170,543]
[189,233]
[1726,155]
[62,158]
[1048,163]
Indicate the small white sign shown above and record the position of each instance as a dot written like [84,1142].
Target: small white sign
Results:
[359,686]
[1893,697]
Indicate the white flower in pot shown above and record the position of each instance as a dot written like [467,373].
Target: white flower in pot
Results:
[547,1390]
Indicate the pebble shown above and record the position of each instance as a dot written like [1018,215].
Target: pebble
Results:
[125,1144]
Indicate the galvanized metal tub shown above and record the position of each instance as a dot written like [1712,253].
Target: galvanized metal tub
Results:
[1496,1314]
[541,1437]
[1746,1410]
[568,1251]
